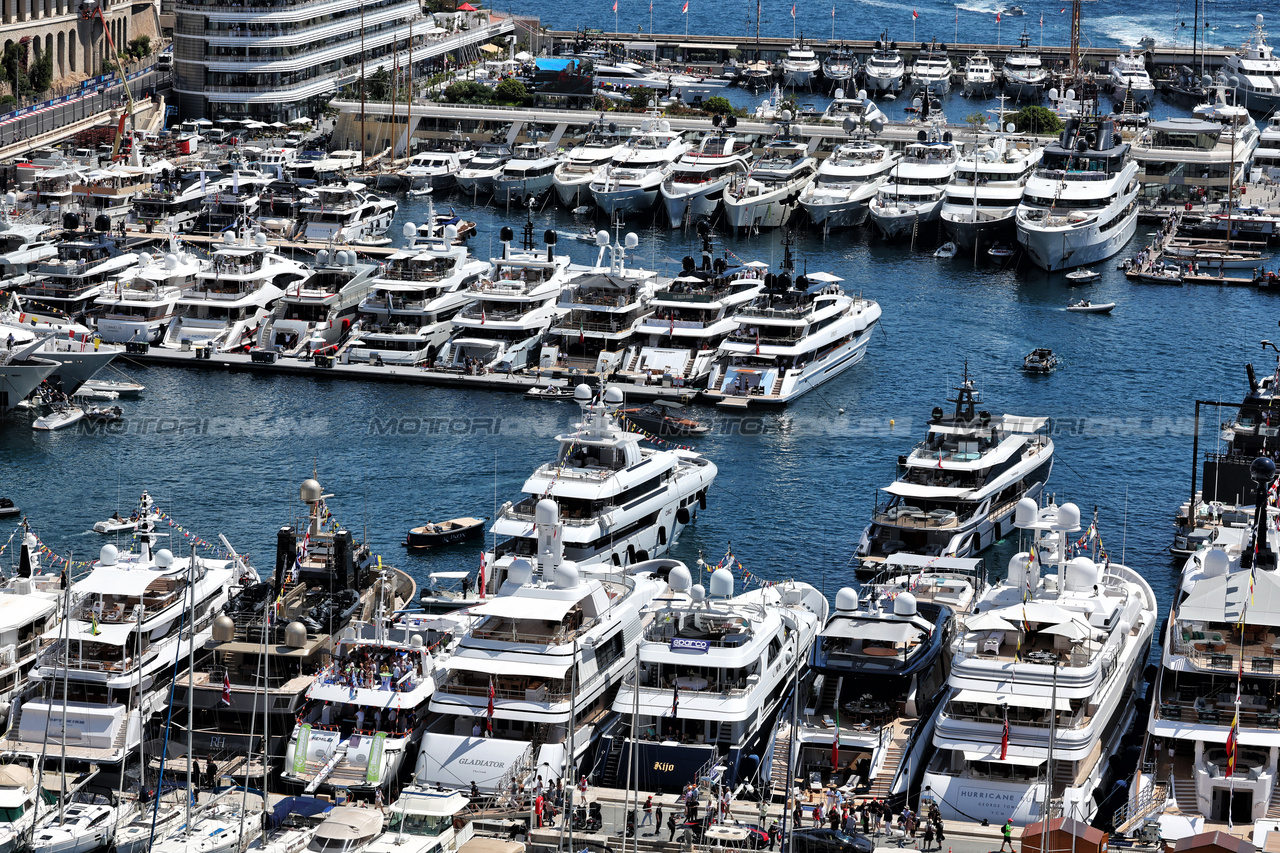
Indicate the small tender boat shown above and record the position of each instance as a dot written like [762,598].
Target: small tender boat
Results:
[658,419]
[62,415]
[1014,12]
[103,414]
[145,511]
[1156,274]
[1040,360]
[946,250]
[1083,276]
[582,210]
[8,508]
[419,192]
[449,532]
[121,387]
[549,392]
[1084,306]
[1000,252]
[96,394]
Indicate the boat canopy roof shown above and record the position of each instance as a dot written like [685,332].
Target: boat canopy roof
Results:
[506,666]
[126,582]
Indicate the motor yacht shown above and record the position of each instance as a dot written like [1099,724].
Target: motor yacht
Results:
[980,204]
[1129,79]
[1024,75]
[316,314]
[139,307]
[799,66]
[584,163]
[979,76]
[767,194]
[65,288]
[846,182]
[694,188]
[477,176]
[933,70]
[345,213]
[916,186]
[527,176]
[631,182]
[1256,70]
[434,170]
[840,67]
[860,109]
[957,489]
[884,68]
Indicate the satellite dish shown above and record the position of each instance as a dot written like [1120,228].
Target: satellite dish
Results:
[1206,81]
[849,124]
[862,94]
[1233,81]
[1258,19]
[786,115]
[1053,94]
[993,126]
[877,125]
[839,94]
[1071,94]
[1010,127]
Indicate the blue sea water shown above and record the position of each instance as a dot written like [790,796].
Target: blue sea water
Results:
[224,452]
[1104,24]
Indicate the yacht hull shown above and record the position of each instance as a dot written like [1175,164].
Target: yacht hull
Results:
[967,233]
[626,200]
[794,385]
[574,191]
[876,83]
[1065,248]
[894,223]
[841,214]
[697,204]
[508,191]
[770,210]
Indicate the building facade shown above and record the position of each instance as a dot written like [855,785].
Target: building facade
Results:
[76,42]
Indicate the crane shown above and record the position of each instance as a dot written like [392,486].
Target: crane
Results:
[90,9]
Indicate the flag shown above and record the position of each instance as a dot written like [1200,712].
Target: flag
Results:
[675,702]
[757,341]
[93,617]
[793,11]
[914,14]
[615,7]
[997,17]
[833,11]
[1042,19]
[489,713]
[835,745]
[482,315]
[1004,737]
[480,580]
[582,336]
[1063,9]
[1231,744]
[672,329]
[226,689]
[685,10]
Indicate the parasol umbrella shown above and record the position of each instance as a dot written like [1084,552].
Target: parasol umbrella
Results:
[988,622]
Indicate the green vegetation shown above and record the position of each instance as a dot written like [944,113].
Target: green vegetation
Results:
[717,105]
[1037,120]
[467,92]
[511,92]
[641,96]
[139,47]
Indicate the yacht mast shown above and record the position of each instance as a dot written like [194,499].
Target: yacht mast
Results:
[191,668]
[66,663]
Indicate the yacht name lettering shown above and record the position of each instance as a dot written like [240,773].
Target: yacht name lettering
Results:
[480,762]
[678,643]
[664,766]
[989,795]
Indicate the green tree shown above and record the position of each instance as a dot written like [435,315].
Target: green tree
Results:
[41,73]
[1039,120]
[510,91]
[15,68]
[641,96]
[717,105]
[139,47]
[378,85]
[468,92]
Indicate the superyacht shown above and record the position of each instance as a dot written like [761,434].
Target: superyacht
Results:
[1024,75]
[884,69]
[980,205]
[696,186]
[1130,81]
[584,163]
[933,70]
[767,195]
[1256,70]
[316,313]
[914,191]
[846,182]
[144,301]
[632,180]
[527,176]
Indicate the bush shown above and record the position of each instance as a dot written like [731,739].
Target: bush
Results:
[717,105]
[468,92]
[139,47]
[510,91]
[641,96]
[41,73]
[1037,120]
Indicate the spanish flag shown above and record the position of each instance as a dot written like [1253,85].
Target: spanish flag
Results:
[1232,737]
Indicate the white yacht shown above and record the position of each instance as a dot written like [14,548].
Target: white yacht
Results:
[846,182]
[860,109]
[435,170]
[799,66]
[1169,148]
[21,805]
[139,307]
[1266,157]
[528,684]
[1025,76]
[232,201]
[316,313]
[714,669]
[68,286]
[791,340]
[86,824]
[695,187]
[767,195]
[22,371]
[1080,204]
[1045,684]
[884,68]
[980,205]
[513,307]
[476,178]
[220,826]
[23,245]
[584,163]
[31,604]
[914,191]
[979,76]
[174,204]
[933,69]
[1129,79]
[840,66]
[878,675]
[131,619]
[360,732]
[408,313]
[690,318]
[425,819]
[630,183]
[71,359]
[1256,69]
[603,307]
[345,213]
[527,176]
[958,488]
[621,502]
[234,295]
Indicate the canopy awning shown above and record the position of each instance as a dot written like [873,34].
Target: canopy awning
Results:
[506,666]
[452,576]
[1225,600]
[702,45]
[523,607]
[110,635]
[490,48]
[1010,758]
[893,632]
[914,490]
[1016,700]
[455,761]
[128,582]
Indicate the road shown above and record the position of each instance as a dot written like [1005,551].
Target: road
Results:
[97,103]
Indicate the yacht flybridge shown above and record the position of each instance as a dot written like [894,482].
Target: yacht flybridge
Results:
[1044,685]
[957,489]
[620,502]
[714,669]
[530,682]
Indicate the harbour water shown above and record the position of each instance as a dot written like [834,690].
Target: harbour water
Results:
[224,453]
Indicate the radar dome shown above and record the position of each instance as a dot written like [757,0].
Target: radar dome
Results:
[1053,94]
[602,238]
[567,576]
[260,239]
[862,94]
[1082,574]
[310,491]
[904,604]
[1018,569]
[520,572]
[785,115]
[31,540]
[416,641]
[108,555]
[1215,563]
[1068,517]
[409,230]
[295,635]
[1024,514]
[322,257]
[698,593]
[224,629]
[631,240]
[722,583]
[546,512]
[582,393]
[680,579]
[1262,469]
[613,395]
[450,233]
[839,94]
[171,262]
[846,599]
[164,558]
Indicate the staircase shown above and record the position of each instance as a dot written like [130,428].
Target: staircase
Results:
[117,744]
[781,752]
[15,723]
[323,773]
[1151,803]
[1273,810]
[1185,796]
[896,748]
[611,763]
[264,334]
[831,692]
[635,360]
[777,387]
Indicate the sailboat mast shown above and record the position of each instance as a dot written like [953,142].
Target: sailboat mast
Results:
[191,668]
[66,664]
[408,103]
[363,83]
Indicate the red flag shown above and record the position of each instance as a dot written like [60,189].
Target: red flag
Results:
[685,10]
[757,341]
[1231,745]
[615,5]
[672,330]
[480,581]
[582,336]
[489,722]
[226,689]
[793,10]
[1042,19]
[1004,738]
[835,744]
[997,17]
[833,12]
[481,315]
[914,14]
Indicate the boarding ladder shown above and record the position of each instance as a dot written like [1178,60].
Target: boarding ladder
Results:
[324,772]
[1150,801]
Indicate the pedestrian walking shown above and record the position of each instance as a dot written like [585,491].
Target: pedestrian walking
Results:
[647,820]
[1007,832]
[671,827]
[657,821]
[937,825]
[928,836]
[866,819]
[774,833]
[817,814]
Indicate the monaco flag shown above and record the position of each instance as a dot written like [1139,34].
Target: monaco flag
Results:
[914,14]
[685,10]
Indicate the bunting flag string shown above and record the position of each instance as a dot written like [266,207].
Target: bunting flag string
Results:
[632,427]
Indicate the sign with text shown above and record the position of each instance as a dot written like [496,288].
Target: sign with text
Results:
[680,644]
